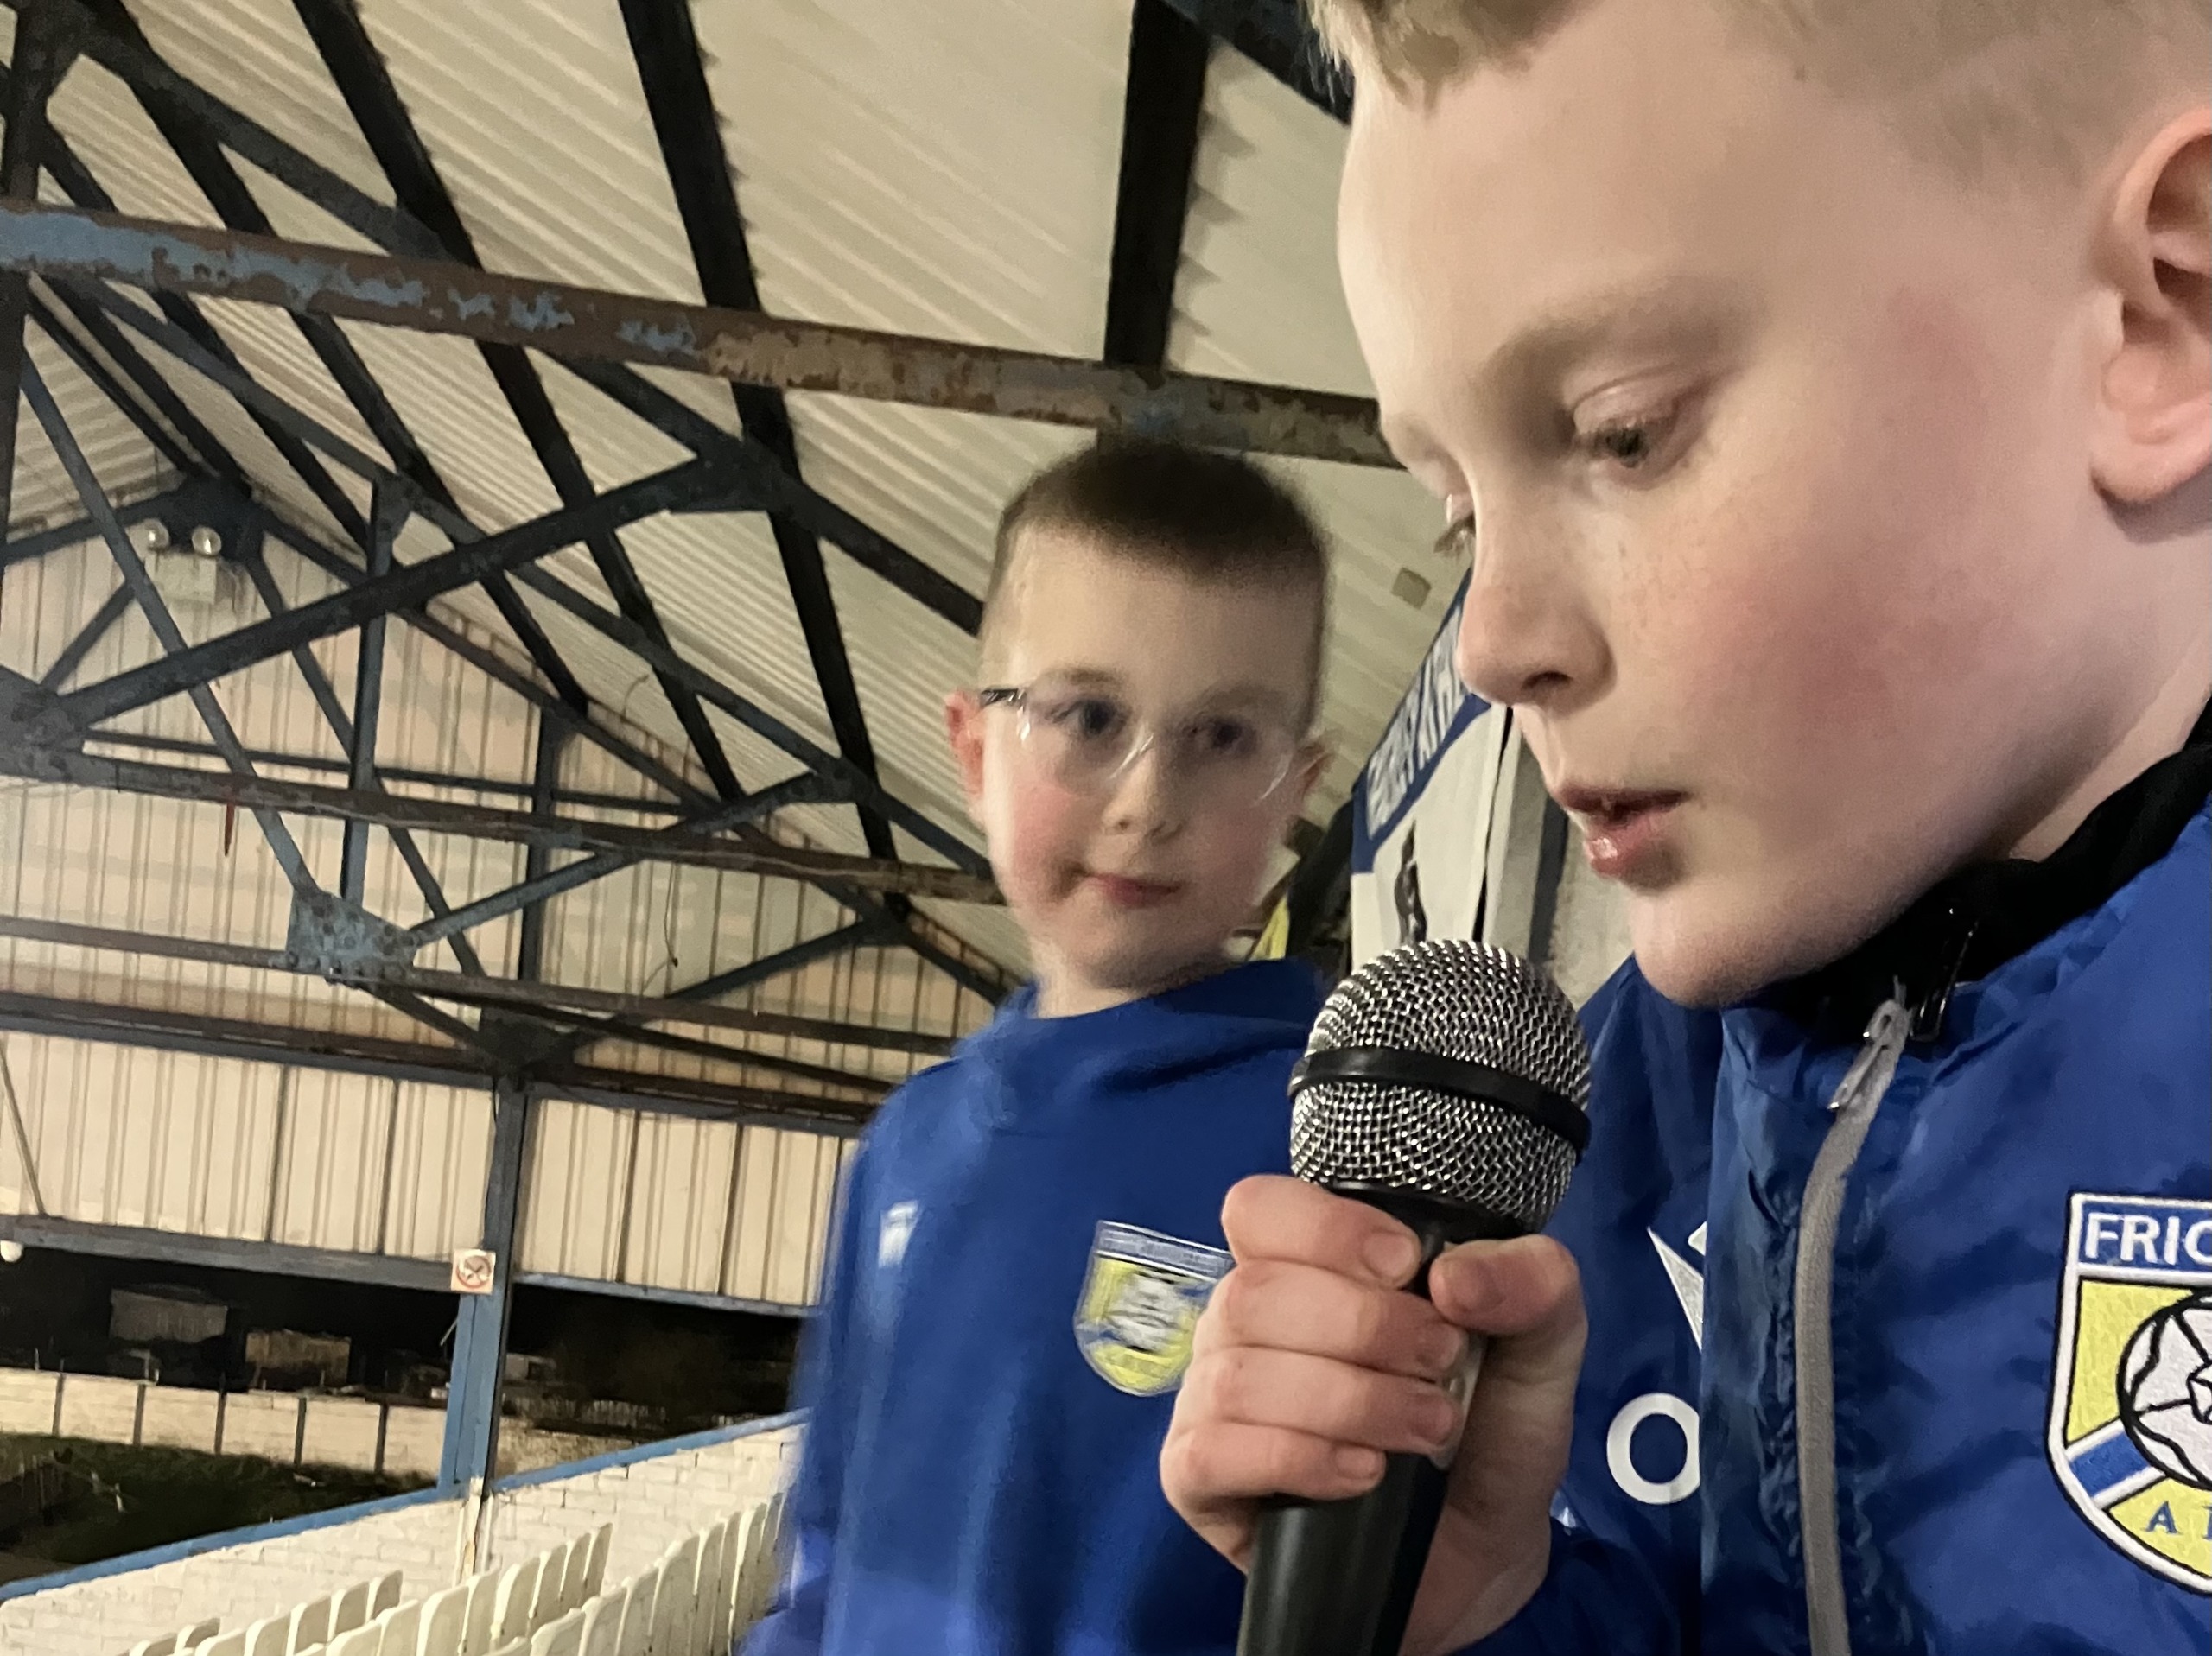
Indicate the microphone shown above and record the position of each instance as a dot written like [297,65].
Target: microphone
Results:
[1448,1084]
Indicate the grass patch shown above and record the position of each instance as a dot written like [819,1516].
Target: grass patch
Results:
[174,1494]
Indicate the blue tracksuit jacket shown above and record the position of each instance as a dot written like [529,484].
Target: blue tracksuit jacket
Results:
[1027,1237]
[2020,1313]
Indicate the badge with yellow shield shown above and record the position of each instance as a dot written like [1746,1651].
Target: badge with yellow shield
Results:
[1139,1305]
[2131,1399]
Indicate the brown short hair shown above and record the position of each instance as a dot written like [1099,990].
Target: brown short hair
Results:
[2051,84]
[1205,515]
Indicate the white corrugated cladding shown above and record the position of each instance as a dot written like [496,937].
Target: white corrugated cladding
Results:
[219,1147]
[707,1207]
[256,1151]
[1257,298]
[946,170]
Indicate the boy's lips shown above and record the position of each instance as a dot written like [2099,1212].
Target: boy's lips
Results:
[1623,829]
[1127,891]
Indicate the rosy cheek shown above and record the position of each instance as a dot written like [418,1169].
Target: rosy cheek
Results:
[1037,837]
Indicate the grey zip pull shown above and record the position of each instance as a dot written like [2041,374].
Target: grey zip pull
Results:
[1852,1107]
[1885,1040]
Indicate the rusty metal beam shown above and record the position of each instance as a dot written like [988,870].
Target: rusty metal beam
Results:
[382,808]
[439,296]
[44,46]
[203,159]
[779,491]
[143,70]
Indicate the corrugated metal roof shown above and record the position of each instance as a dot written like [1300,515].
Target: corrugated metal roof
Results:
[120,455]
[1257,298]
[947,169]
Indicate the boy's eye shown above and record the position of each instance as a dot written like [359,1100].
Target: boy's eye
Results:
[1627,446]
[1224,739]
[1640,445]
[1085,718]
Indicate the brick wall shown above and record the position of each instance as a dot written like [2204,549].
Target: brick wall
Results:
[266,1424]
[338,1430]
[652,1496]
[414,1439]
[341,1431]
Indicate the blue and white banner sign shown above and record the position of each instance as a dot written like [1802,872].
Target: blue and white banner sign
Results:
[1422,807]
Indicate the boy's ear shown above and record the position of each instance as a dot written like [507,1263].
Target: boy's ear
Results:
[1313,765]
[963,728]
[1306,774]
[2153,429]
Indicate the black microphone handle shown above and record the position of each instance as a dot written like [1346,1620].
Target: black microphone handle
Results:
[1338,1577]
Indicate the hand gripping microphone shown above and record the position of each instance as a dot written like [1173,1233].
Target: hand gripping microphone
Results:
[1447,1084]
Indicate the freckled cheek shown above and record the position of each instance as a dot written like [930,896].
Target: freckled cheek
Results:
[1818,667]
[1803,609]
[1718,631]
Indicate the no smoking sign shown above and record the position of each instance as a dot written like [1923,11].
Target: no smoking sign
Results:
[473,1269]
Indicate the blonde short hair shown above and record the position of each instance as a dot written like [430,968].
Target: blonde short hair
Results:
[2049,85]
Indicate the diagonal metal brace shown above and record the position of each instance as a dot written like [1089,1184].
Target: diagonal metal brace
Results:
[807,789]
[410,584]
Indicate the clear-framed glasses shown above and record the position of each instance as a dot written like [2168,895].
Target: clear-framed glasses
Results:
[1085,737]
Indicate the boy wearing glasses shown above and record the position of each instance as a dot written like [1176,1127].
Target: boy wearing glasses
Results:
[1030,1229]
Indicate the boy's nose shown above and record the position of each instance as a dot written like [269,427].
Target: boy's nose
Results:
[1145,798]
[1526,637]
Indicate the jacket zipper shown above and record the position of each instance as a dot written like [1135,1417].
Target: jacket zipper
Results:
[1852,1108]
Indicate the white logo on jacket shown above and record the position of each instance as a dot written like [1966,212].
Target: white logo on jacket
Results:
[893,1234]
[1688,1283]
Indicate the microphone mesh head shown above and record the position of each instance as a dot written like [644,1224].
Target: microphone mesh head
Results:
[1457,1000]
